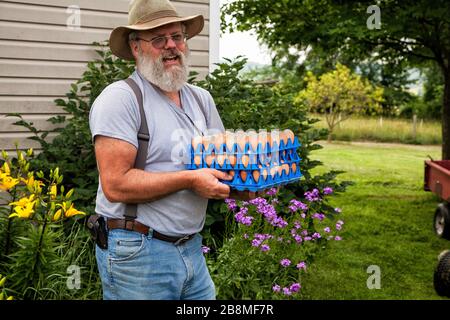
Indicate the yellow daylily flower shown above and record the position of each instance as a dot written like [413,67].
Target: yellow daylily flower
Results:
[53,191]
[24,212]
[57,215]
[72,212]
[22,202]
[8,182]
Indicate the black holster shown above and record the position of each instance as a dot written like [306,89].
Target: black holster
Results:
[96,225]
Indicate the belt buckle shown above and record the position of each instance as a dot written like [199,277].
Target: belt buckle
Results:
[182,240]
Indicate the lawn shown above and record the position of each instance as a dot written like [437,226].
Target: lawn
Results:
[388,223]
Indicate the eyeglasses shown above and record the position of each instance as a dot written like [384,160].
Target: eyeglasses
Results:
[161,41]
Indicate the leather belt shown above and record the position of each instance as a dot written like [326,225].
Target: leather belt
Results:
[133,225]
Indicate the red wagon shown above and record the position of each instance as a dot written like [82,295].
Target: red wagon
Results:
[437,180]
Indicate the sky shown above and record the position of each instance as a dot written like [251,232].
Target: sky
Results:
[242,43]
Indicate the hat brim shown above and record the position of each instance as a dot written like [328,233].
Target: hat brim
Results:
[118,40]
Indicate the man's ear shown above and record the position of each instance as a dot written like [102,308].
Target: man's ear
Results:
[134,47]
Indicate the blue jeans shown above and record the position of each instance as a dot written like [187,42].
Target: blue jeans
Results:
[139,267]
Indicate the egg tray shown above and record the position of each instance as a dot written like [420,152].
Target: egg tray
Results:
[263,156]
[271,181]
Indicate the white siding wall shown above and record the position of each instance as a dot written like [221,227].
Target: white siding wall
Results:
[40,56]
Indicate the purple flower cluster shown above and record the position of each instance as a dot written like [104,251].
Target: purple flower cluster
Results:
[285,262]
[296,205]
[313,195]
[318,216]
[205,249]
[268,211]
[301,265]
[271,191]
[293,288]
[231,204]
[242,217]
[339,225]
[327,190]
[259,238]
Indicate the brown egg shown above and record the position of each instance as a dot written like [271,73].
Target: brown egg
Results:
[220,159]
[219,139]
[285,168]
[196,141]
[256,174]
[273,171]
[293,167]
[264,174]
[263,138]
[243,175]
[232,160]
[197,160]
[207,140]
[283,137]
[275,140]
[244,160]
[289,135]
[241,139]
[230,140]
[231,173]
[209,159]
[253,139]
[280,170]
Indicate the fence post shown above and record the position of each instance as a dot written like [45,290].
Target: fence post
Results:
[414,130]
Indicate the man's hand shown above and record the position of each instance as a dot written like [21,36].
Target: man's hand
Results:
[207,185]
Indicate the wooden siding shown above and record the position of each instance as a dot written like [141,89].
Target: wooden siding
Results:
[40,56]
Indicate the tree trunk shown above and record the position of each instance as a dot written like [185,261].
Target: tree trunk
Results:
[446,118]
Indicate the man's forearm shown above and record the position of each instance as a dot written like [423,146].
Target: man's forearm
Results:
[137,186]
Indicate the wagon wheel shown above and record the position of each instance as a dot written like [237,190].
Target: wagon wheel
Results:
[442,275]
[442,221]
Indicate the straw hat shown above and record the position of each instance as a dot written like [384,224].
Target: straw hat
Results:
[146,15]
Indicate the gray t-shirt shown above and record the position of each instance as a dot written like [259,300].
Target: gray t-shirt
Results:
[115,113]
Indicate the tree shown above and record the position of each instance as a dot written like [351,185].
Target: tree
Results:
[415,31]
[339,94]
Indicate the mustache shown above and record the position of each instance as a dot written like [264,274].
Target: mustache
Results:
[170,53]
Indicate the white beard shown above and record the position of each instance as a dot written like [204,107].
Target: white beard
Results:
[169,80]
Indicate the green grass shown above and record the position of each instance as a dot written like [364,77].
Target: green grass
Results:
[385,130]
[388,222]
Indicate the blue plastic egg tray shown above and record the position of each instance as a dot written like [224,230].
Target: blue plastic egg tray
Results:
[252,168]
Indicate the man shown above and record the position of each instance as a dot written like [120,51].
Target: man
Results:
[158,256]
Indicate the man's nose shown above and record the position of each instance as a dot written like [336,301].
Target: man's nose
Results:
[170,43]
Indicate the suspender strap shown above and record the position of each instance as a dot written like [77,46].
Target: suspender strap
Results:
[143,138]
[199,102]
